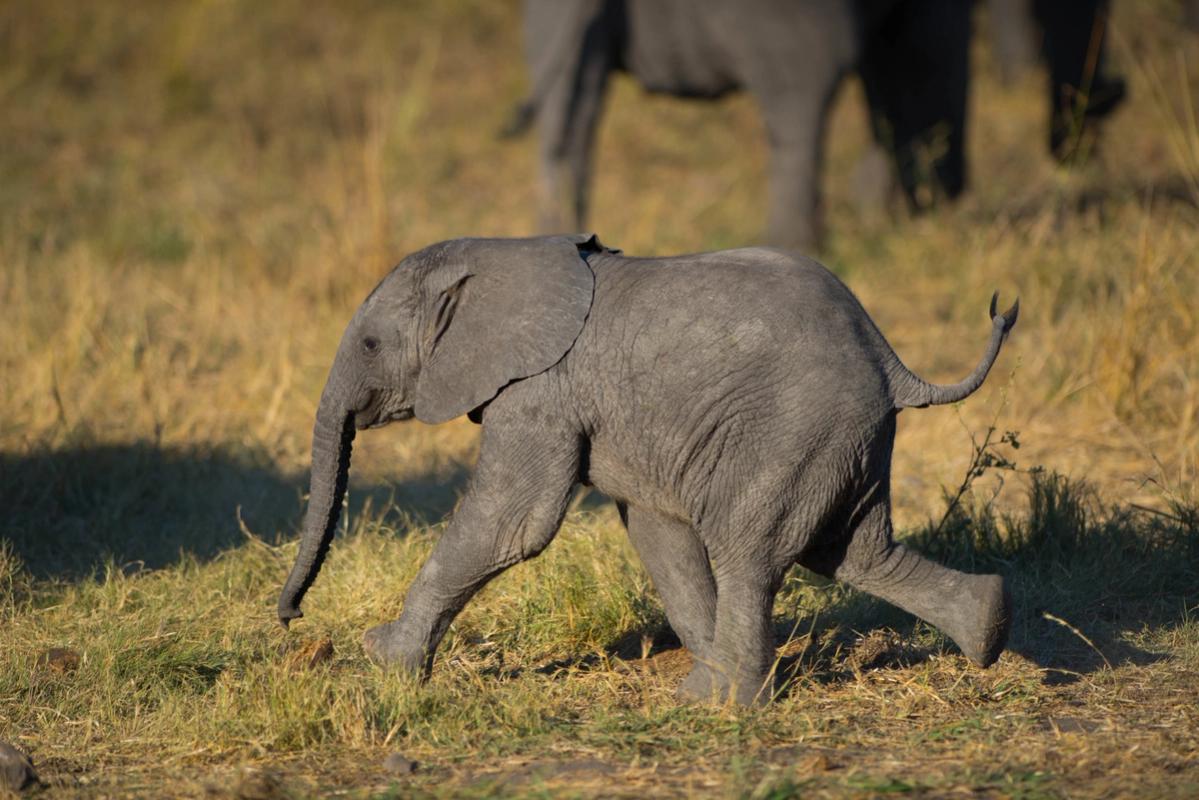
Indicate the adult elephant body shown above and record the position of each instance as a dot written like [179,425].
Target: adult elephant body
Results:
[791,55]
[740,434]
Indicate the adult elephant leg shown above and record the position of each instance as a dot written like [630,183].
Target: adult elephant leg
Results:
[973,610]
[915,73]
[796,119]
[1081,89]
[678,565]
[566,126]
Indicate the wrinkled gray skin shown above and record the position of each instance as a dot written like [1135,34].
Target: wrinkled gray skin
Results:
[740,431]
[791,55]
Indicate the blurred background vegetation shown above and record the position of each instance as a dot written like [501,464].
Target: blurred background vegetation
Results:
[194,196]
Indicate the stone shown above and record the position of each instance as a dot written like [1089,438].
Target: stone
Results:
[61,660]
[399,764]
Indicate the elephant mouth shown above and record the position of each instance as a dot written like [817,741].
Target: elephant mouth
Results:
[363,422]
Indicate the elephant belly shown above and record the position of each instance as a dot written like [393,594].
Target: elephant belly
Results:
[628,479]
[780,457]
[671,51]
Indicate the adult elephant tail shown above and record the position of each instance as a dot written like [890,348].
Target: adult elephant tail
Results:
[911,391]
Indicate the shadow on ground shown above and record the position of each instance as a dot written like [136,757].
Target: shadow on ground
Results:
[70,511]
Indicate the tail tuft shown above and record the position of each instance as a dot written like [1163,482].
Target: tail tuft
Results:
[1009,317]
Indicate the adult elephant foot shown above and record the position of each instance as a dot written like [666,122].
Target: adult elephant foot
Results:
[710,684]
[385,646]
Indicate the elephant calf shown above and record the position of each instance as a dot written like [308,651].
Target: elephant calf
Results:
[739,406]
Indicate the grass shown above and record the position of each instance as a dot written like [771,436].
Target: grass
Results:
[194,199]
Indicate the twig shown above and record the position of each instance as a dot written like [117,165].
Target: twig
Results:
[972,472]
[1077,633]
[255,538]
[1158,512]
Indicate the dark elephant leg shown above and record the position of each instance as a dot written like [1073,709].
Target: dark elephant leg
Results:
[973,610]
[678,565]
[915,71]
[566,126]
[1081,90]
[796,121]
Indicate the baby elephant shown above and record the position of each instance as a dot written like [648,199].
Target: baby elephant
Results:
[739,407]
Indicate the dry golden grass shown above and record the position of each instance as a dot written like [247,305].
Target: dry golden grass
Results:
[193,199]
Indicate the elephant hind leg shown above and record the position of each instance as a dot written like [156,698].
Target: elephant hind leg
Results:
[973,610]
[738,664]
[678,564]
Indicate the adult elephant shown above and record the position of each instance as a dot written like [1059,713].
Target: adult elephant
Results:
[791,55]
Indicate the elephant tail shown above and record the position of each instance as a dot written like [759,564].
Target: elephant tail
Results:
[521,119]
[912,391]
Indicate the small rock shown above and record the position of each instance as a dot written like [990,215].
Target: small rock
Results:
[399,764]
[1060,725]
[311,654]
[61,660]
[817,762]
[16,768]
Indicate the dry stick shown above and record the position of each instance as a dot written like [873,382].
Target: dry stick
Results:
[976,461]
[968,479]
[1158,512]
[57,395]
[1077,633]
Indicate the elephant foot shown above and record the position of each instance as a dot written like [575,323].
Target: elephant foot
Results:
[385,647]
[987,632]
[705,684]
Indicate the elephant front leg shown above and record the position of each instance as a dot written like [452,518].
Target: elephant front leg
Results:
[973,610]
[511,511]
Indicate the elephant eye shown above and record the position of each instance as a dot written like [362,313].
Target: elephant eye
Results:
[370,344]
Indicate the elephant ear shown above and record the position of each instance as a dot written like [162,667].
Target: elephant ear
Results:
[498,310]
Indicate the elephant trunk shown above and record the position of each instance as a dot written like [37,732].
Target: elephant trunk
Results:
[332,440]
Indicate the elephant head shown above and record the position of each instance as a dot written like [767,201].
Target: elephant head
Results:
[439,337]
